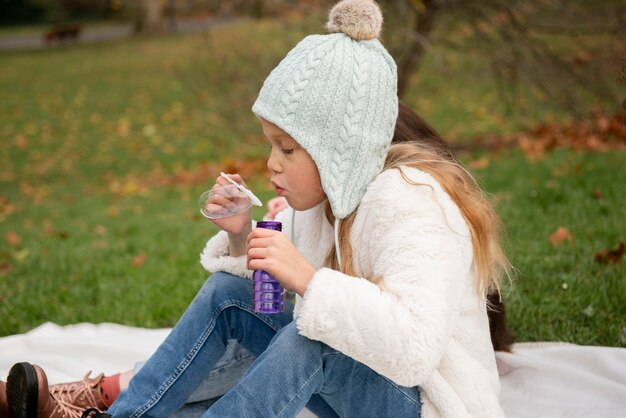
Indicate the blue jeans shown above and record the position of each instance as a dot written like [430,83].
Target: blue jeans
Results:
[289,373]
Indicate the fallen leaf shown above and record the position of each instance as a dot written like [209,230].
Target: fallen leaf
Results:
[99,244]
[561,235]
[582,57]
[100,230]
[21,255]
[534,150]
[13,238]
[47,226]
[127,187]
[561,170]
[479,163]
[95,118]
[59,234]
[112,211]
[139,260]
[611,256]
[20,141]
[596,195]
[149,130]
[603,123]
[123,128]
[552,184]
[6,208]
[5,268]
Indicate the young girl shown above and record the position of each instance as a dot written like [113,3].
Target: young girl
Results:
[391,251]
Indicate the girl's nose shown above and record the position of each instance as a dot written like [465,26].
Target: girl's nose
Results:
[272,163]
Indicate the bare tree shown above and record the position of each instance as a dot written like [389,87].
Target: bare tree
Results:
[521,41]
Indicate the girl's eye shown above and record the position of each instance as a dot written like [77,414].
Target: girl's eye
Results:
[288,151]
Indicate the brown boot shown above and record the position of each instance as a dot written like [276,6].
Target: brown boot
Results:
[82,394]
[67,400]
[4,402]
[21,391]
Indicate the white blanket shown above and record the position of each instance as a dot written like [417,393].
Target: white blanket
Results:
[539,380]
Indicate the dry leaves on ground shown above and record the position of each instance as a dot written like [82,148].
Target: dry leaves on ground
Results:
[601,133]
[611,256]
[560,236]
[139,260]
[13,239]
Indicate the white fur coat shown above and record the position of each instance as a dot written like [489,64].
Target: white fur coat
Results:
[423,324]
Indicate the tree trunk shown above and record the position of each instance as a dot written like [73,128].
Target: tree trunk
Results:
[424,26]
[149,17]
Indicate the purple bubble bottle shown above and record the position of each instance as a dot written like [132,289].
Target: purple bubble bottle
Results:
[268,296]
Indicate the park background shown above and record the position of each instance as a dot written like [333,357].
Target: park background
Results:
[107,139]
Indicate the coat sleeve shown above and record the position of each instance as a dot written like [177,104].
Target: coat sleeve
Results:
[413,240]
[215,257]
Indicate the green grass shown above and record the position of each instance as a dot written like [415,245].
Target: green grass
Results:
[560,292]
[105,148]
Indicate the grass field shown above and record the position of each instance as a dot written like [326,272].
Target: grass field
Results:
[105,149]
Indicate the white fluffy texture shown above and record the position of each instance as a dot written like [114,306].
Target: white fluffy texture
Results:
[423,324]
[359,19]
[215,257]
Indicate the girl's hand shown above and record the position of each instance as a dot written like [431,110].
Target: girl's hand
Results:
[238,224]
[275,205]
[273,252]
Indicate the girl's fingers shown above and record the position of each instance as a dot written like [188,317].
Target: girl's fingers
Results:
[236,177]
[254,253]
[220,201]
[229,192]
[260,233]
[214,209]
[256,264]
[221,182]
[259,242]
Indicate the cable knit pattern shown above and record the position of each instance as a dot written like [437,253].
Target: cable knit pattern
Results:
[422,323]
[298,85]
[337,97]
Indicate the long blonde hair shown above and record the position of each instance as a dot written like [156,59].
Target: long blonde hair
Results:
[416,144]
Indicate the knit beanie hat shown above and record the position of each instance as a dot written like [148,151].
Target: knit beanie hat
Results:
[336,95]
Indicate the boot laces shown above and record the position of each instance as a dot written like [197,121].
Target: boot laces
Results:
[72,398]
[66,410]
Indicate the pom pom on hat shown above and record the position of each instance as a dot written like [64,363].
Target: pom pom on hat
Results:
[359,19]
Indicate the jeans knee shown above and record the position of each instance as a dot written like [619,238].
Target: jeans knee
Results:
[289,341]
[222,287]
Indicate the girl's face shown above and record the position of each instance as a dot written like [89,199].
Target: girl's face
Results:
[294,174]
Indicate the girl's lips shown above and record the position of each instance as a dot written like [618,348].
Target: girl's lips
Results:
[279,190]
